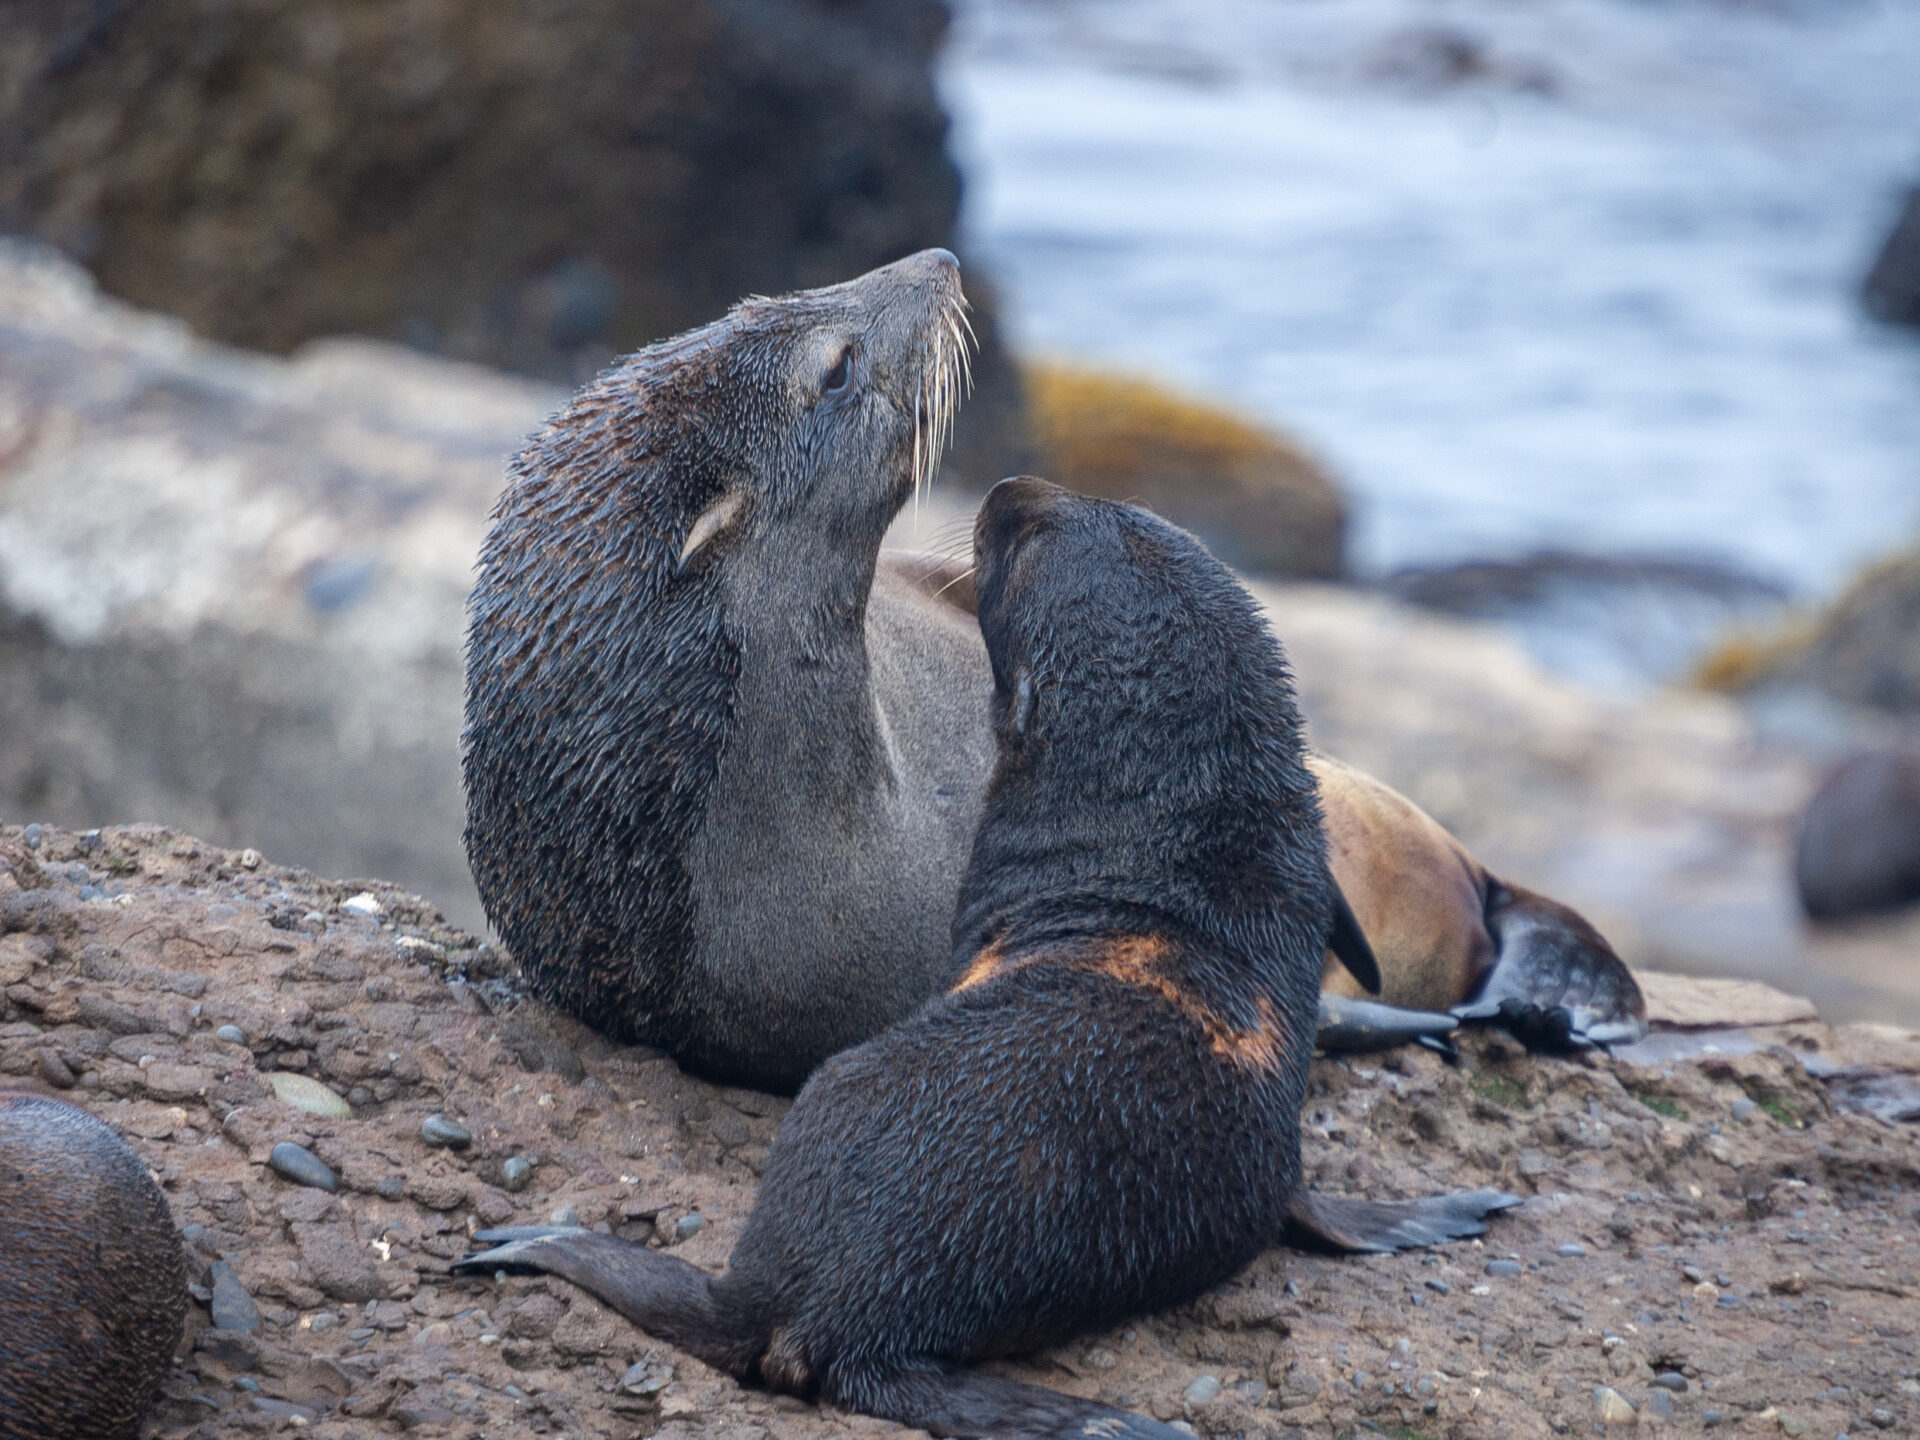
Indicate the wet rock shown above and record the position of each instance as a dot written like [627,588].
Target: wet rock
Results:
[1659,1406]
[515,1173]
[301,1166]
[232,1307]
[232,1034]
[1671,1380]
[688,1226]
[1571,1250]
[439,1131]
[1882,1419]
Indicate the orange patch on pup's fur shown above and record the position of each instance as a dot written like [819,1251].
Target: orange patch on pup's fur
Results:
[1134,962]
[982,968]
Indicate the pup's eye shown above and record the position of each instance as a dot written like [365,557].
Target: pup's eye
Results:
[840,376]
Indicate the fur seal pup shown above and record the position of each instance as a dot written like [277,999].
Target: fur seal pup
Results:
[724,757]
[1858,849]
[92,1273]
[1137,957]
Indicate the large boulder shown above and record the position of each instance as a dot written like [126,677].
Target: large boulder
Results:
[1259,501]
[1892,290]
[534,185]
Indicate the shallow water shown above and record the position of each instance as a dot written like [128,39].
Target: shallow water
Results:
[1567,273]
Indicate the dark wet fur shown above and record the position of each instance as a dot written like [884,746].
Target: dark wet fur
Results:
[91,1277]
[1076,1137]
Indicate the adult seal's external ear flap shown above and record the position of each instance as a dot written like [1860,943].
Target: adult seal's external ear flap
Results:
[1349,944]
[713,520]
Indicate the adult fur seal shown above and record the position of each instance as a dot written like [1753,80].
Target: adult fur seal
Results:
[92,1273]
[1136,966]
[724,759]
[1858,849]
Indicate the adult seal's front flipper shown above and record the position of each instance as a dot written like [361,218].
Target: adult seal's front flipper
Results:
[1555,982]
[1380,1227]
[1347,1024]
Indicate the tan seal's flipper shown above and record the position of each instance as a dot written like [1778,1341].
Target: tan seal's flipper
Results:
[1448,936]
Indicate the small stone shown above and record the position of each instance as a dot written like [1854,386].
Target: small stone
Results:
[248,1384]
[92,892]
[1505,1268]
[1571,1250]
[55,1071]
[439,1131]
[303,1092]
[232,1034]
[32,836]
[1792,1426]
[1743,1107]
[301,1166]
[297,1416]
[1437,1285]
[250,859]
[1709,1417]
[359,1096]
[1693,1273]
[1204,1389]
[232,1307]
[516,1173]
[392,1187]
[1660,1406]
[688,1225]
[1882,1419]
[365,903]
[647,1377]
[1671,1380]
[1253,1392]
[1612,1407]
[565,1215]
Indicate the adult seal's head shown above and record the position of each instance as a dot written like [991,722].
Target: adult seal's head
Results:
[91,1277]
[690,541]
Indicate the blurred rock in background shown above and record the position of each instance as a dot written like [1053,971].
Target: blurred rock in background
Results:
[1259,501]
[1892,290]
[537,184]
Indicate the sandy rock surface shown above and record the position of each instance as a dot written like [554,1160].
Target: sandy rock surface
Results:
[1715,1221]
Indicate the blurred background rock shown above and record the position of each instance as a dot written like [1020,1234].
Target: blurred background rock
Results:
[235,546]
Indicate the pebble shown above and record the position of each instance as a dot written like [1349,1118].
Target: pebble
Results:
[301,1166]
[391,1188]
[1438,1286]
[1203,1389]
[1743,1108]
[1505,1267]
[92,892]
[1882,1419]
[1612,1407]
[438,1130]
[1660,1405]
[365,903]
[1671,1380]
[248,1384]
[55,1071]
[516,1173]
[1709,1417]
[303,1092]
[565,1215]
[297,1415]
[689,1225]
[232,1034]
[233,1308]
[359,1096]
[32,836]
[1571,1250]
[1693,1273]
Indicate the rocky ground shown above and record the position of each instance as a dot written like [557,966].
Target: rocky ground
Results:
[1705,1242]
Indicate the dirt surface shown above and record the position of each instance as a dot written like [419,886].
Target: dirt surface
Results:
[1717,1220]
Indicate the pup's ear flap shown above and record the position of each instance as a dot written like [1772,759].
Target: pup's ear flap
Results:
[713,521]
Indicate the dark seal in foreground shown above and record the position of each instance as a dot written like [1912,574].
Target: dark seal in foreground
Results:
[1101,1116]
[93,1288]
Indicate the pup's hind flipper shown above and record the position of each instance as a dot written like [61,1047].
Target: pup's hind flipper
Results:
[1555,982]
[1379,1227]
[662,1294]
[966,1403]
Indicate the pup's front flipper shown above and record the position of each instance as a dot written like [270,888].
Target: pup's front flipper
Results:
[1555,982]
[1379,1227]
[945,1400]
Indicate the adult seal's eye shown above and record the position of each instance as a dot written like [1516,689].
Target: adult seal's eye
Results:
[840,376]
